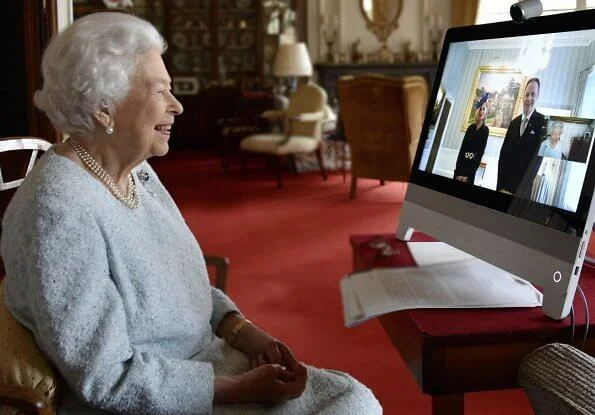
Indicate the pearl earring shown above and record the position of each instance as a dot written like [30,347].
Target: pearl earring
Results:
[109,130]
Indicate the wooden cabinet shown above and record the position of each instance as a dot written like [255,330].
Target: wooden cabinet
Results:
[217,49]
[216,41]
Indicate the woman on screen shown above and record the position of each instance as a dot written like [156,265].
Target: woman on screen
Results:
[474,144]
[552,146]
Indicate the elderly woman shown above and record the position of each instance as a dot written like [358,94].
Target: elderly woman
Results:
[550,151]
[552,147]
[474,144]
[103,270]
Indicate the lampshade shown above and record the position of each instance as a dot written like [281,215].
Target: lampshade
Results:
[292,60]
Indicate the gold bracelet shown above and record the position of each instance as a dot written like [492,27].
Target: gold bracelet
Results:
[236,330]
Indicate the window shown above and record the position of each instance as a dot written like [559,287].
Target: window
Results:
[499,10]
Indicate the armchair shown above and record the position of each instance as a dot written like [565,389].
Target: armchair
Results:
[302,130]
[382,119]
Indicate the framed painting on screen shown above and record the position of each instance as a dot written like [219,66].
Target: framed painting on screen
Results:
[505,96]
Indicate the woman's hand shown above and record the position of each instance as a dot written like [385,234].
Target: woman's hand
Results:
[463,179]
[265,384]
[262,348]
[273,383]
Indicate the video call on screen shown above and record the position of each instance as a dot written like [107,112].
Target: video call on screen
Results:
[491,128]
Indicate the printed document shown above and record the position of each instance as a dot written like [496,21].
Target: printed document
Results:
[469,283]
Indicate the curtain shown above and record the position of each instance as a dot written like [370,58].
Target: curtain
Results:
[463,12]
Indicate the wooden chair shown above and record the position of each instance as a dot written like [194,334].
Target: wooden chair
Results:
[28,382]
[302,130]
[32,144]
[382,118]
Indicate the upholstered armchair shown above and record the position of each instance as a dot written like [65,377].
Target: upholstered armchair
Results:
[302,130]
[382,120]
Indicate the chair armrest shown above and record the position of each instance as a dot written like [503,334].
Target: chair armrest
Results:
[274,115]
[221,265]
[309,117]
[26,399]
[27,378]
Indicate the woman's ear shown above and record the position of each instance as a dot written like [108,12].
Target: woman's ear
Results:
[103,117]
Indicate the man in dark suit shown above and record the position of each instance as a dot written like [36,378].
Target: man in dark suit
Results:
[517,156]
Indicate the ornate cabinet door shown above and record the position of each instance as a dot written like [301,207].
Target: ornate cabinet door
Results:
[188,29]
[239,43]
[216,41]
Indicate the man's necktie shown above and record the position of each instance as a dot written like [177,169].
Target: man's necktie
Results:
[524,125]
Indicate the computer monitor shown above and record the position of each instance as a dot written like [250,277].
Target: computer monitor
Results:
[513,190]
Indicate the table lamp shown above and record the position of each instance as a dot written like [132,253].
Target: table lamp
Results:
[292,61]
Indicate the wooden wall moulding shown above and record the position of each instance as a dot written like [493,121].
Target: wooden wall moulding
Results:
[40,24]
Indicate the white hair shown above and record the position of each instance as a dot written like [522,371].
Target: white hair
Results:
[559,125]
[90,65]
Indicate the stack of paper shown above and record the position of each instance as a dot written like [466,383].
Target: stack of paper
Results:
[463,282]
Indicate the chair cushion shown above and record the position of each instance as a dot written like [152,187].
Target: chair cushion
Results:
[269,143]
[21,361]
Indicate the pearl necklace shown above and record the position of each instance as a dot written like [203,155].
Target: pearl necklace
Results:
[130,199]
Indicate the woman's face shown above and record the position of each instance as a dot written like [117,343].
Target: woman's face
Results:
[143,121]
[555,137]
[481,113]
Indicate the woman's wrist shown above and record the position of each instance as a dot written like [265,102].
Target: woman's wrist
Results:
[232,337]
[227,390]
[228,323]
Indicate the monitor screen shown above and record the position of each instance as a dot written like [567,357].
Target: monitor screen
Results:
[504,168]
[510,126]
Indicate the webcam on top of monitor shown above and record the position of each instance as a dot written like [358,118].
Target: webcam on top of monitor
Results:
[525,10]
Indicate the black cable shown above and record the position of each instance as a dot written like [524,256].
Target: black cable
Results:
[572,325]
[587,319]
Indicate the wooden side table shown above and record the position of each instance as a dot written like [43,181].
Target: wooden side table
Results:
[454,351]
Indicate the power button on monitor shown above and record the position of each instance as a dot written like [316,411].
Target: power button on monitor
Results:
[557,276]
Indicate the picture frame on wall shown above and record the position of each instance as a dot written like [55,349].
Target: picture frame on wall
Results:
[185,85]
[504,101]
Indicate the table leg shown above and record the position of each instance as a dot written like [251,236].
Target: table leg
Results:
[448,404]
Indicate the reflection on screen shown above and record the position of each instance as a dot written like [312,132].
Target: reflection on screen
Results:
[511,115]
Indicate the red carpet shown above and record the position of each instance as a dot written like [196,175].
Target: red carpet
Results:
[288,250]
